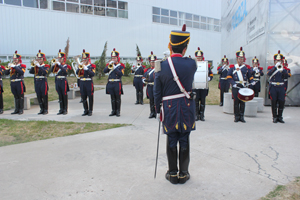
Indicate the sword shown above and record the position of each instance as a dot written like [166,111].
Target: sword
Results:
[157,148]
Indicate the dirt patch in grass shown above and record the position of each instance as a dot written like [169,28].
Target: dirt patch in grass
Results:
[291,191]
[14,132]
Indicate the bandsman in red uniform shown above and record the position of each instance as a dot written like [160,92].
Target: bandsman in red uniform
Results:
[256,73]
[148,79]
[138,71]
[223,82]
[238,76]
[277,74]
[114,87]
[201,93]
[40,71]
[60,68]
[286,67]
[86,71]
[2,72]
[17,71]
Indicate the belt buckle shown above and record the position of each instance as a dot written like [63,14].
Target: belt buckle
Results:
[240,82]
[277,83]
[112,79]
[83,79]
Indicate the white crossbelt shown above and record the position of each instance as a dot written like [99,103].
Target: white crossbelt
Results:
[138,75]
[285,79]
[224,78]
[85,79]
[39,76]
[175,96]
[61,76]
[256,79]
[14,80]
[151,83]
[241,82]
[276,83]
[114,80]
[239,73]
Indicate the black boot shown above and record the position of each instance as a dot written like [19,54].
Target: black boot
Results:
[274,111]
[39,98]
[152,109]
[16,106]
[137,98]
[236,111]
[1,102]
[45,103]
[113,105]
[221,97]
[118,105]
[242,111]
[197,112]
[91,105]
[61,105]
[171,174]
[65,100]
[184,160]
[280,111]
[142,98]
[21,106]
[85,107]
[202,108]
[81,101]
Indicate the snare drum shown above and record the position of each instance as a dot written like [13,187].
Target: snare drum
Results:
[245,94]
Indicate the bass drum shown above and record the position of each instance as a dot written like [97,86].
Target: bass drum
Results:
[245,94]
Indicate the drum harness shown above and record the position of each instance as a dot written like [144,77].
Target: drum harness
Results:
[240,76]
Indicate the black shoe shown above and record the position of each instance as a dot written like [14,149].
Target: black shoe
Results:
[112,113]
[172,177]
[275,120]
[65,112]
[90,113]
[1,111]
[60,112]
[197,117]
[236,119]
[221,104]
[41,112]
[80,101]
[85,113]
[20,112]
[118,113]
[15,112]
[280,119]
[183,178]
[45,112]
[242,119]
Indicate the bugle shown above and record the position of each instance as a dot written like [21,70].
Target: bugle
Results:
[111,65]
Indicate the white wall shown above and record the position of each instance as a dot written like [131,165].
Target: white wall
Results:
[29,29]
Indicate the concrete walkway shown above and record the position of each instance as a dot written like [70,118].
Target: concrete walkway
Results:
[228,160]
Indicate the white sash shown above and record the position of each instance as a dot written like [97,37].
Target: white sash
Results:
[239,72]
[113,69]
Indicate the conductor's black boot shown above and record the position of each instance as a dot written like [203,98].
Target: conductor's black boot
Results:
[172,177]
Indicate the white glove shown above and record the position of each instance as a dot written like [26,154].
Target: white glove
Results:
[143,81]
[158,117]
[85,68]
[36,63]
[277,64]
[111,62]
[209,78]
[253,83]
[235,86]
[58,63]
[13,66]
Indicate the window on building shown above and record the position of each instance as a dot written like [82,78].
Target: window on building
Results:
[165,12]
[155,11]
[203,19]
[173,21]
[210,20]
[203,26]
[156,18]
[165,20]
[60,6]
[72,7]
[123,14]
[112,3]
[13,2]
[188,16]
[1,1]
[111,12]
[196,25]
[76,1]
[99,3]
[216,22]
[173,13]
[196,18]
[189,24]
[86,9]
[89,2]
[122,5]
[217,28]
[44,4]
[181,15]
[210,27]
[99,11]
[31,3]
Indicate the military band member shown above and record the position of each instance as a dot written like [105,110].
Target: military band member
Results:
[256,73]
[277,74]
[223,82]
[148,78]
[138,71]
[286,67]
[40,71]
[16,71]
[60,68]
[238,76]
[2,72]
[114,87]
[86,71]
[178,108]
[201,93]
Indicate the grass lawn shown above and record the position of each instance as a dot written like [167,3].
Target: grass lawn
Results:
[15,132]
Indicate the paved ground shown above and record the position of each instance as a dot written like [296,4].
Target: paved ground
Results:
[228,160]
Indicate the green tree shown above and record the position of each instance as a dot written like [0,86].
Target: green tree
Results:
[101,63]
[127,70]
[138,50]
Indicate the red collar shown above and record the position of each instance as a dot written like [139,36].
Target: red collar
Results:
[176,55]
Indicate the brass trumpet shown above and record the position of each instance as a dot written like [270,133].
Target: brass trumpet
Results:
[53,61]
[111,65]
